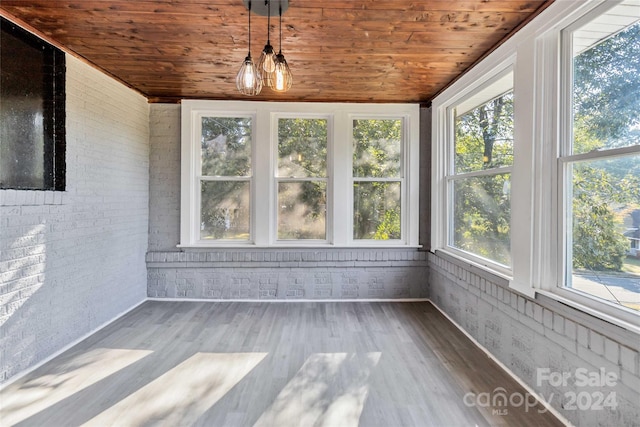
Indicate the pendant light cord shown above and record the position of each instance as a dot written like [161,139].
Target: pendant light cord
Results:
[268,3]
[249,27]
[280,13]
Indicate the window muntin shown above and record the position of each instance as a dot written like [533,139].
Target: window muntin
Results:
[479,206]
[225,178]
[32,112]
[301,179]
[600,158]
[377,179]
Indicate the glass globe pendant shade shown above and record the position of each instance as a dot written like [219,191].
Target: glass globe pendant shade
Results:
[248,80]
[267,60]
[282,78]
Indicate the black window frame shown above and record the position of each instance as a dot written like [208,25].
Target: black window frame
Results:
[54,114]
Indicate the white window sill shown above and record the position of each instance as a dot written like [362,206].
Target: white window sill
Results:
[624,319]
[295,247]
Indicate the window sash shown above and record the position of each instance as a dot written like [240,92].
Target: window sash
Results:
[494,85]
[565,241]
[198,143]
[277,237]
[302,116]
[401,215]
[402,153]
[495,265]
[249,229]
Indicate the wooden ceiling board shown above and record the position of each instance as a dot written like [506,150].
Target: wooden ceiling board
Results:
[338,51]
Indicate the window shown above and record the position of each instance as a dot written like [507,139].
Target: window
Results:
[295,174]
[481,157]
[536,158]
[225,178]
[377,179]
[600,156]
[32,112]
[301,179]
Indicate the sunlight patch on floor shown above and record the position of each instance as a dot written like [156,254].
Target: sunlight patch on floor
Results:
[183,394]
[24,399]
[330,389]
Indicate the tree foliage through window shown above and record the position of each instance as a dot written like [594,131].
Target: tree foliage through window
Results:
[481,204]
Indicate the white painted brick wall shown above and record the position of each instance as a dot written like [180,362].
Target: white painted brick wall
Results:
[71,261]
[164,177]
[536,334]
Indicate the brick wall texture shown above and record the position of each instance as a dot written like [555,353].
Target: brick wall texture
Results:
[540,340]
[71,261]
[164,177]
[287,274]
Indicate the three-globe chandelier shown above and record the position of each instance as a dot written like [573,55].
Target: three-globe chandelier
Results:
[272,69]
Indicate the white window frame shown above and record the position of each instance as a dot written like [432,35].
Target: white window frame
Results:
[537,195]
[565,158]
[199,178]
[404,204]
[264,163]
[274,240]
[451,176]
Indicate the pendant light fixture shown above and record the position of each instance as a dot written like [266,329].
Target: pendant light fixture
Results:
[282,78]
[267,61]
[271,70]
[249,79]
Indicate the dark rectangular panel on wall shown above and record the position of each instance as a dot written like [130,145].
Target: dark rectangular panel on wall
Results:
[425,177]
[32,111]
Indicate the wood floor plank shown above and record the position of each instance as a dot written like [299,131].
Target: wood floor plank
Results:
[261,364]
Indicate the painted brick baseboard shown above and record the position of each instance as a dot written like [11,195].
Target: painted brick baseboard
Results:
[288,274]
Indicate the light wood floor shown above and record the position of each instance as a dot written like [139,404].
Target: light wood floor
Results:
[270,364]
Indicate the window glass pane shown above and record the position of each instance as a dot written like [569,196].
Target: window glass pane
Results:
[376,148]
[302,148]
[22,147]
[226,146]
[481,216]
[484,134]
[376,209]
[302,210]
[224,210]
[606,229]
[606,82]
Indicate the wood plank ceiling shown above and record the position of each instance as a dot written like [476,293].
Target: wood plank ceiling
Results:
[338,51]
